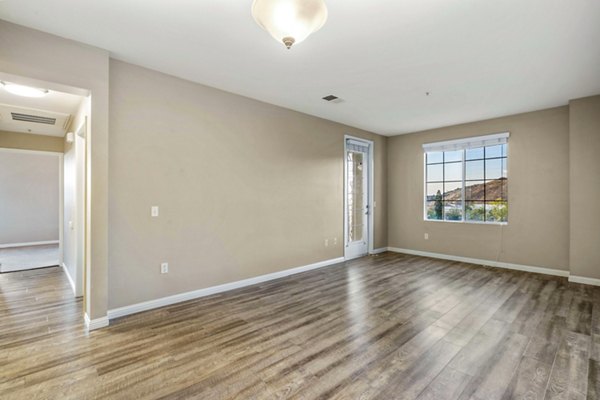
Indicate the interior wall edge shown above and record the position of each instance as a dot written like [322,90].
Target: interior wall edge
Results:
[584,187]
[584,280]
[96,323]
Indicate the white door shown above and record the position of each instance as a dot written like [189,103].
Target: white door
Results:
[357,207]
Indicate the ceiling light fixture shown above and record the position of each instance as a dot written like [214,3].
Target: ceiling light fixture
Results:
[290,21]
[25,91]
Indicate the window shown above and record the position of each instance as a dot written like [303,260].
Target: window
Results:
[466,180]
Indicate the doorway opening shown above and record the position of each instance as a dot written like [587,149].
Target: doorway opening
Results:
[43,183]
[30,209]
[358,197]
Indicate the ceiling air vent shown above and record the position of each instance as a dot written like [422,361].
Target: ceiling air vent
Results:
[33,118]
[330,97]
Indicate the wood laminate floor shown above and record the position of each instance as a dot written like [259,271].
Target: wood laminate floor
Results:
[383,327]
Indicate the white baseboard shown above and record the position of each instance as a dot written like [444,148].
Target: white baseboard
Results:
[66,270]
[380,250]
[584,280]
[177,298]
[92,324]
[10,245]
[497,264]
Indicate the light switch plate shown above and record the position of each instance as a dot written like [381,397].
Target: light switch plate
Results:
[154,211]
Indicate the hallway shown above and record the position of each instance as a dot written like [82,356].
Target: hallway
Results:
[29,257]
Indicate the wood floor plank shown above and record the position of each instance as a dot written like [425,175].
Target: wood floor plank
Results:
[569,377]
[529,381]
[448,385]
[481,348]
[593,390]
[410,381]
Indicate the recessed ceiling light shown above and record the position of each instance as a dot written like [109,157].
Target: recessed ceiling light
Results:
[25,91]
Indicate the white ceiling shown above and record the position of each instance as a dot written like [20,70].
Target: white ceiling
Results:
[54,101]
[54,105]
[478,58]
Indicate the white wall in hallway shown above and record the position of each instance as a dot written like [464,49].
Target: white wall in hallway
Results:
[29,197]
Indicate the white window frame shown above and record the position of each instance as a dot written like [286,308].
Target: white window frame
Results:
[455,145]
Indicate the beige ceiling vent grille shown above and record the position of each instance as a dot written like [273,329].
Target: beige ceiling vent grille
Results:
[332,99]
[30,120]
[33,118]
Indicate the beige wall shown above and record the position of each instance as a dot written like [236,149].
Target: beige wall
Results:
[244,188]
[29,197]
[585,186]
[59,64]
[537,233]
[26,141]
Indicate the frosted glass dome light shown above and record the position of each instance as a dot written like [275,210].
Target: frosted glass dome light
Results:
[22,90]
[290,21]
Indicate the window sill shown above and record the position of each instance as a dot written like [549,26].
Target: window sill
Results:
[466,222]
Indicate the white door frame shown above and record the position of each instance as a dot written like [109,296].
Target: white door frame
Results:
[61,194]
[370,202]
[80,205]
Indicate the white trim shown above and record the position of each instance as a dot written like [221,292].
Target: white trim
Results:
[584,280]
[92,324]
[177,298]
[468,142]
[370,196]
[78,215]
[378,251]
[10,245]
[464,222]
[66,270]
[496,264]
[61,206]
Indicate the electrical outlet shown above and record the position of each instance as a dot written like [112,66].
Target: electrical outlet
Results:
[164,268]
[334,240]
[326,242]
[427,236]
[154,211]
